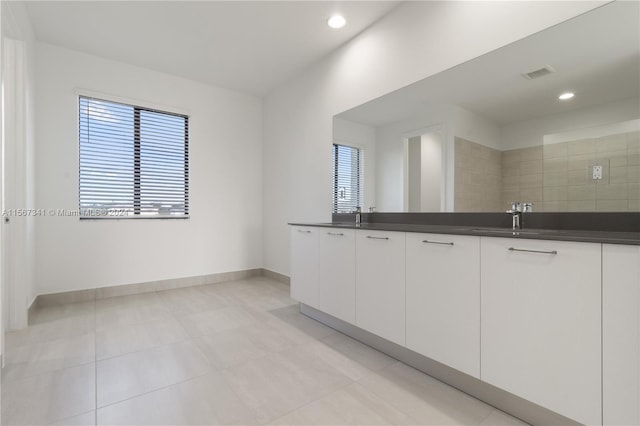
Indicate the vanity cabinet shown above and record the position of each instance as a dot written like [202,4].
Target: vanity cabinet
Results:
[380,284]
[541,323]
[554,322]
[304,264]
[337,272]
[443,299]
[621,334]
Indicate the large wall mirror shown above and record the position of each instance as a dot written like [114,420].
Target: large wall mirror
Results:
[493,130]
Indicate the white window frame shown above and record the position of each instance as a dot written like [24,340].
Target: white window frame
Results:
[359,176]
[143,105]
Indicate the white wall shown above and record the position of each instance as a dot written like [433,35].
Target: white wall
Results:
[431,172]
[390,153]
[224,232]
[18,236]
[414,174]
[593,132]
[475,128]
[531,132]
[453,121]
[414,41]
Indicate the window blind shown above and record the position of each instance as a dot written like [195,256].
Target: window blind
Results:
[134,161]
[347,179]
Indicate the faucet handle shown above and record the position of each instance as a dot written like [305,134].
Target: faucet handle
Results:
[527,208]
[357,210]
[515,207]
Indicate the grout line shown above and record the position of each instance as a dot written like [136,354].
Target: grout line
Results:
[58,421]
[488,415]
[147,348]
[43,373]
[152,391]
[93,328]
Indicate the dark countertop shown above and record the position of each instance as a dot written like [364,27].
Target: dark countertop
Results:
[608,237]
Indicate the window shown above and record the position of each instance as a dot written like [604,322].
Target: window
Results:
[347,178]
[134,161]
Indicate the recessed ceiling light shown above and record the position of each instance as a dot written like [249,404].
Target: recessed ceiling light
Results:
[336,21]
[566,96]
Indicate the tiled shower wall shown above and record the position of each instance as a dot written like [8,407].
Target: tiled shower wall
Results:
[555,177]
[564,175]
[522,177]
[478,177]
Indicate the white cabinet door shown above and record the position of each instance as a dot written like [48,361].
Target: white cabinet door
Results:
[380,284]
[337,267]
[541,323]
[621,334]
[304,264]
[443,299]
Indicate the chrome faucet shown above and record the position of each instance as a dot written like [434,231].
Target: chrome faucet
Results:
[358,212]
[516,214]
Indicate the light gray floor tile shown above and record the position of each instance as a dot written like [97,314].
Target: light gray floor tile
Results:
[268,302]
[297,327]
[51,330]
[261,295]
[353,405]
[120,340]
[133,374]
[363,354]
[278,383]
[50,313]
[499,418]
[320,351]
[189,300]
[37,358]
[131,315]
[229,348]
[129,301]
[269,338]
[293,418]
[427,400]
[242,292]
[85,419]
[46,398]
[215,321]
[230,353]
[205,400]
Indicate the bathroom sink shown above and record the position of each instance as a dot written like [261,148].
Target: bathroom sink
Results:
[507,231]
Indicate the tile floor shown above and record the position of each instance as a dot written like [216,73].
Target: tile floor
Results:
[233,353]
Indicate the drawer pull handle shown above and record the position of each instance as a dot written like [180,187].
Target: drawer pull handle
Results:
[377,238]
[534,251]
[304,231]
[437,242]
[339,234]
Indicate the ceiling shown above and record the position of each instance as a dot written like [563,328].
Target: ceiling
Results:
[250,46]
[595,55]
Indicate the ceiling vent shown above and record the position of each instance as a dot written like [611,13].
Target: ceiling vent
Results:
[546,70]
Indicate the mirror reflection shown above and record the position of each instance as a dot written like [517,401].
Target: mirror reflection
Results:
[497,129]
